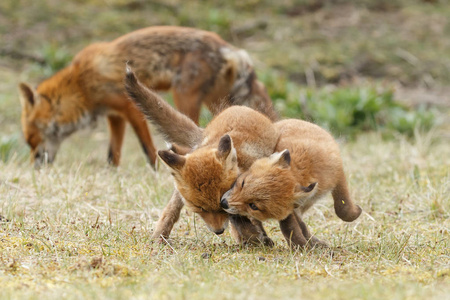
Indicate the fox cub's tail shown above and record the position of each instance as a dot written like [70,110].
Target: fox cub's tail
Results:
[175,126]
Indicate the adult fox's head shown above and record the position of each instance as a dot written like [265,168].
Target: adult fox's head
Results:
[268,190]
[36,116]
[202,177]
[50,114]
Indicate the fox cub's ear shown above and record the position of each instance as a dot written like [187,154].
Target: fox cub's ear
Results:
[225,146]
[282,159]
[26,95]
[226,151]
[172,160]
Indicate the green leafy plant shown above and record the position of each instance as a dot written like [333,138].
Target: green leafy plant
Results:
[55,57]
[9,145]
[348,111]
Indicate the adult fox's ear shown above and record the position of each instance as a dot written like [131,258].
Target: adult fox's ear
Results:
[174,161]
[282,159]
[226,151]
[27,98]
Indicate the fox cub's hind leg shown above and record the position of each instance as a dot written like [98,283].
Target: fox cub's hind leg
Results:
[117,131]
[169,216]
[245,231]
[343,204]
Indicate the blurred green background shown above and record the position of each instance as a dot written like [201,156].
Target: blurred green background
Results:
[350,66]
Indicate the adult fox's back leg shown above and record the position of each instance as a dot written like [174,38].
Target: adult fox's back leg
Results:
[188,103]
[200,82]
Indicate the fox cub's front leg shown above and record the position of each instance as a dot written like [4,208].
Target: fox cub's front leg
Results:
[292,232]
[169,216]
[297,234]
[246,231]
[312,240]
[242,229]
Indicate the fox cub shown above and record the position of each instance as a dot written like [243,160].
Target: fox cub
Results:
[286,184]
[197,65]
[230,143]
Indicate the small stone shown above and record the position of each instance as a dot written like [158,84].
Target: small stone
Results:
[206,255]
[261,258]
[96,262]
[278,260]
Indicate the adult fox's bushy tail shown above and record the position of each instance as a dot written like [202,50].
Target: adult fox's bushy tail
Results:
[175,126]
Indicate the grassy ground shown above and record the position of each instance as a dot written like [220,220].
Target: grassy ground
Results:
[80,229]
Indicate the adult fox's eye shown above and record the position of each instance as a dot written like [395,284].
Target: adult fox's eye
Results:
[242,185]
[253,206]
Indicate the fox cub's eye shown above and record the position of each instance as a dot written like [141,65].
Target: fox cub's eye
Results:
[309,188]
[203,210]
[242,185]
[253,206]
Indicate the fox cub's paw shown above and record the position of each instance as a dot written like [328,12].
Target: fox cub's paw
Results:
[267,241]
[258,241]
[316,243]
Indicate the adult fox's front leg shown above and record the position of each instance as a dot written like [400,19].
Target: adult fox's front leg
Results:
[139,124]
[117,130]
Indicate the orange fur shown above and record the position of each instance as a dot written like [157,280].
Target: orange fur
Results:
[231,142]
[286,184]
[197,65]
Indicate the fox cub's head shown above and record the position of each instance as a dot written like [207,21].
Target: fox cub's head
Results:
[202,177]
[268,190]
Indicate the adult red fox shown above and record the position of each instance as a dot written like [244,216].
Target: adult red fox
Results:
[286,184]
[230,143]
[197,65]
